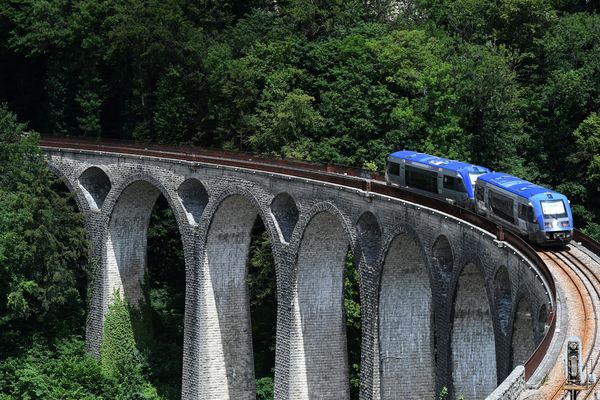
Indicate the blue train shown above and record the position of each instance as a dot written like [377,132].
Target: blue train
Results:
[542,215]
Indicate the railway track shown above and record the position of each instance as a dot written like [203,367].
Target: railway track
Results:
[582,288]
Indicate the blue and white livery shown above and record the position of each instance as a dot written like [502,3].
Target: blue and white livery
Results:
[446,179]
[541,214]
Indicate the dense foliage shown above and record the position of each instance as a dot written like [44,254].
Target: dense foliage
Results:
[513,85]
[42,274]
[506,84]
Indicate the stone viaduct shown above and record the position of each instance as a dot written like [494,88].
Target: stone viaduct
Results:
[443,302]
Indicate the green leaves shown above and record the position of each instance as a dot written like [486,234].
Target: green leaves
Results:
[42,244]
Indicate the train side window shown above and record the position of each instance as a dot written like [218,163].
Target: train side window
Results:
[421,179]
[452,183]
[393,168]
[479,191]
[526,213]
[502,207]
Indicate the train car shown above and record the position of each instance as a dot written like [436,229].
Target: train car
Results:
[446,179]
[542,215]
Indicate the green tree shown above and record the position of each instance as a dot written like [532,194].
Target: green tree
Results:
[173,114]
[43,247]
[284,115]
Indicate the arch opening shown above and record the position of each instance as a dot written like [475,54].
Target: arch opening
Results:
[406,355]
[95,185]
[146,267]
[193,197]
[522,345]
[285,211]
[353,313]
[472,344]
[237,294]
[502,298]
[442,254]
[262,286]
[318,346]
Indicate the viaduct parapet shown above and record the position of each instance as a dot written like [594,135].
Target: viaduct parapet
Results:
[443,302]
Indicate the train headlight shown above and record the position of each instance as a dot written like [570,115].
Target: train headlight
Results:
[548,224]
[564,224]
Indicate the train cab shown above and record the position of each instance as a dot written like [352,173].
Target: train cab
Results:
[541,214]
[446,179]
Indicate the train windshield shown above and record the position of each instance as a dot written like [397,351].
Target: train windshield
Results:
[553,209]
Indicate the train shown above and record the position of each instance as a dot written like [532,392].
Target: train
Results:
[541,215]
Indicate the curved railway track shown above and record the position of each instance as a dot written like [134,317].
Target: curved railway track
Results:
[368,182]
[592,282]
[586,288]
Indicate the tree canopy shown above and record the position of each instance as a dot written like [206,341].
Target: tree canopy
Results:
[512,85]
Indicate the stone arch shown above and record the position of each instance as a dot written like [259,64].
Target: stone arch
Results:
[129,207]
[126,241]
[193,198]
[115,195]
[369,236]
[223,324]
[285,212]
[472,344]
[442,256]
[318,354]
[95,185]
[522,345]
[78,195]
[502,298]
[406,357]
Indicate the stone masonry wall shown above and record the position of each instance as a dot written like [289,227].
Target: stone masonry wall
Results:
[319,223]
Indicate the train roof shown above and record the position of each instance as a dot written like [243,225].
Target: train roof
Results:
[515,185]
[438,162]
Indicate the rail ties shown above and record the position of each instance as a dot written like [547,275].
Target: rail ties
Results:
[587,290]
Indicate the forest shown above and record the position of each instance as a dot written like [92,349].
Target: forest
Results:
[513,85]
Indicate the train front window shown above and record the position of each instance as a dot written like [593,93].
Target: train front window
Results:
[553,209]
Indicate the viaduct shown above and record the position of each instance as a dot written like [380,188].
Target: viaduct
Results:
[444,302]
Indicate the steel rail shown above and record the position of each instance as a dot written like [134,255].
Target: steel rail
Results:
[558,263]
[587,272]
[334,174]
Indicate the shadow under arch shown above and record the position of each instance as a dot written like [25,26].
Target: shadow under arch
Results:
[406,353]
[96,185]
[502,298]
[472,341]
[285,212]
[522,342]
[318,348]
[368,236]
[442,255]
